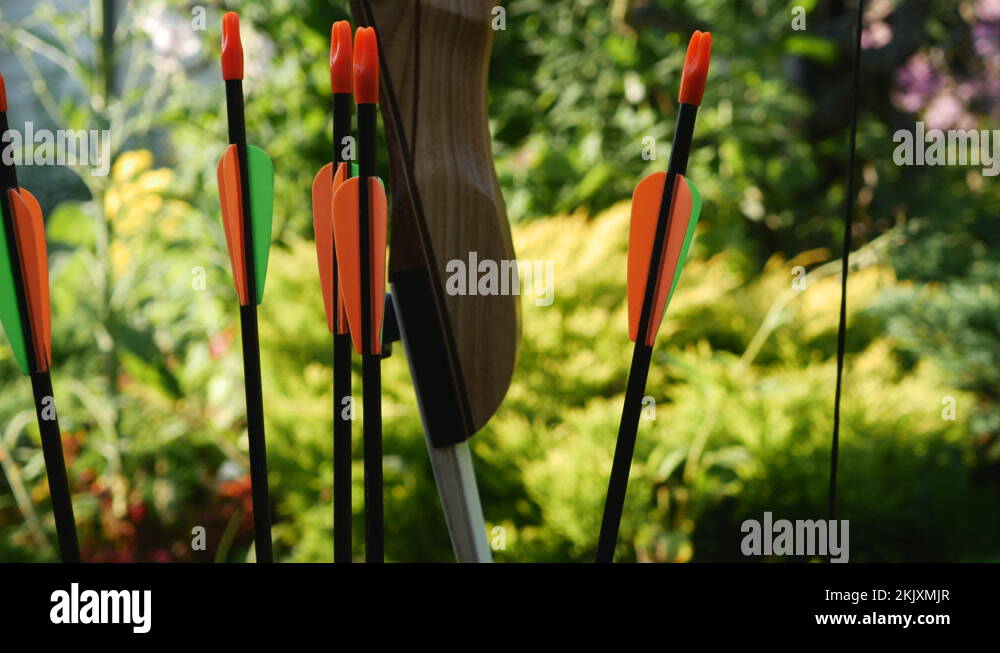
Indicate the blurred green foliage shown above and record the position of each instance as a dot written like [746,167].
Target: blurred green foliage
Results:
[147,355]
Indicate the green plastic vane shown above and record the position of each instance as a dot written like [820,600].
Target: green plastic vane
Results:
[261,172]
[688,236]
[10,314]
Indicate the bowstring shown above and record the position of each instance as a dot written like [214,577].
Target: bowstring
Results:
[845,265]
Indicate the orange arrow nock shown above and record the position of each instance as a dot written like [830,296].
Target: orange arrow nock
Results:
[366,66]
[232,47]
[341,58]
[696,68]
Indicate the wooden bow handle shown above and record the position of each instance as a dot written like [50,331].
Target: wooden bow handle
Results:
[446,204]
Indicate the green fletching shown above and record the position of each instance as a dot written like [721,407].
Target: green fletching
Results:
[261,172]
[355,171]
[688,236]
[10,314]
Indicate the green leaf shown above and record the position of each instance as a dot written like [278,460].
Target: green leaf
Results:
[812,47]
[71,225]
[143,360]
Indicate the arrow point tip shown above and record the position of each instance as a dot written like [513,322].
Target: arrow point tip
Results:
[341,58]
[232,47]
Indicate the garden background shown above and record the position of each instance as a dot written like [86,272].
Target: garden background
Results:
[147,364]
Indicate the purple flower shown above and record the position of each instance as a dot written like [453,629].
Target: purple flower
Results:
[988,10]
[876,35]
[986,38]
[946,111]
[916,83]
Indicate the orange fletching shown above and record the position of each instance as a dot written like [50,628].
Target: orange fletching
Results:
[341,58]
[343,172]
[696,68]
[347,240]
[366,66]
[322,201]
[232,47]
[646,202]
[30,228]
[324,187]
[231,198]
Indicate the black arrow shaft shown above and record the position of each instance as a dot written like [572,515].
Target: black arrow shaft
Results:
[624,449]
[55,466]
[628,428]
[371,374]
[342,489]
[251,340]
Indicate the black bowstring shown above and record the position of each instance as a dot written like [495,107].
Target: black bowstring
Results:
[845,265]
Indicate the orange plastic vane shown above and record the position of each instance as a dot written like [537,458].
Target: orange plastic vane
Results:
[348,243]
[324,187]
[646,202]
[342,175]
[231,198]
[30,228]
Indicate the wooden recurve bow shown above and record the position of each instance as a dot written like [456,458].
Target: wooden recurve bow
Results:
[446,206]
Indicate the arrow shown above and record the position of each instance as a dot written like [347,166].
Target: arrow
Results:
[446,204]
[665,210]
[327,181]
[24,312]
[246,190]
[359,227]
